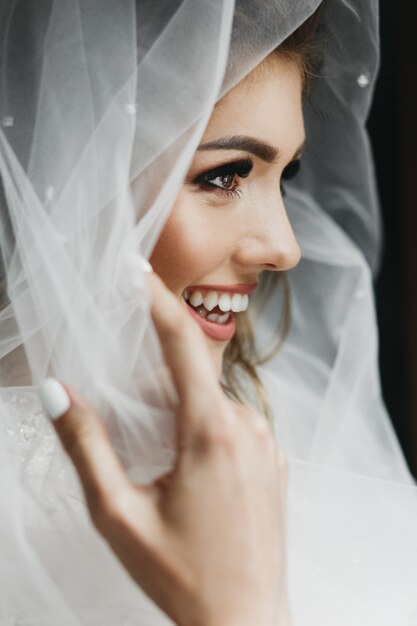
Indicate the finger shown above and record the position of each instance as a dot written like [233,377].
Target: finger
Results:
[86,441]
[185,352]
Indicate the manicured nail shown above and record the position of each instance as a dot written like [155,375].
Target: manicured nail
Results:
[54,398]
[144,264]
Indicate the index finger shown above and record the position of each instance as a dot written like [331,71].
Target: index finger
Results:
[85,439]
[186,353]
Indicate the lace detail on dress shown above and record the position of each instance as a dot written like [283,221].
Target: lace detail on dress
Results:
[31,453]
[27,437]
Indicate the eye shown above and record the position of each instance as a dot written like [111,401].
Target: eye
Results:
[224,182]
[289,172]
[225,178]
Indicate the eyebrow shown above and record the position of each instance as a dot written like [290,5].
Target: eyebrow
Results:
[261,149]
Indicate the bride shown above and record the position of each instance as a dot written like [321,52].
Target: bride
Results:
[227,226]
[217,141]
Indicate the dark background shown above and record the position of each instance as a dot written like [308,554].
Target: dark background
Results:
[393,129]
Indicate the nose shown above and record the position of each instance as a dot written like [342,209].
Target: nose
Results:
[267,239]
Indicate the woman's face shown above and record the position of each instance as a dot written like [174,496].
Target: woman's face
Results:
[229,222]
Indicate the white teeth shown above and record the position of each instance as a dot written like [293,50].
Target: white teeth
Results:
[236,304]
[202,312]
[219,319]
[225,302]
[196,298]
[210,300]
[222,319]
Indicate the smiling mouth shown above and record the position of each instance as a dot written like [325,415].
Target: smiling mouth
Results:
[214,310]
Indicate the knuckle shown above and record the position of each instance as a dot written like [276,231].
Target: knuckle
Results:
[222,437]
[262,429]
[107,511]
[216,436]
[214,420]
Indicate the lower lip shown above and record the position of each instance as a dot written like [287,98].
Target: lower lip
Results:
[218,332]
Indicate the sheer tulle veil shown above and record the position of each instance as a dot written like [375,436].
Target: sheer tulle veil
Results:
[102,105]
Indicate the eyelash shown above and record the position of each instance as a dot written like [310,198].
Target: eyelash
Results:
[238,169]
[289,172]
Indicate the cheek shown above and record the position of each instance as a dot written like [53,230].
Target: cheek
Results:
[190,245]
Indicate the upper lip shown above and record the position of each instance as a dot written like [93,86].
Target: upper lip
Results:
[240,288]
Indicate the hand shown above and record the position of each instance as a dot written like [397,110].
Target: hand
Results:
[206,541]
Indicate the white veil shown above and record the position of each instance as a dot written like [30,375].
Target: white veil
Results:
[102,105]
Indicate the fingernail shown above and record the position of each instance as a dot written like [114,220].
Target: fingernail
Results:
[144,264]
[54,398]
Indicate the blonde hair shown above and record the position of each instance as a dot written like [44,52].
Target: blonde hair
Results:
[242,356]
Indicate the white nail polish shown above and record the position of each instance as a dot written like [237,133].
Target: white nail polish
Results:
[144,264]
[53,397]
